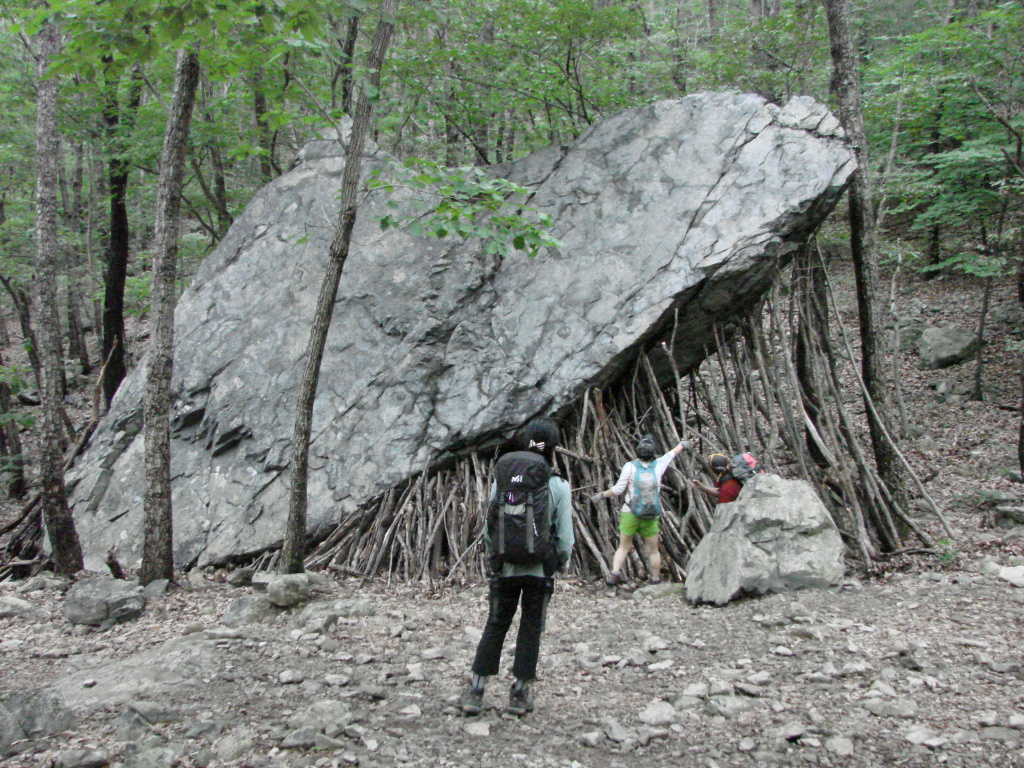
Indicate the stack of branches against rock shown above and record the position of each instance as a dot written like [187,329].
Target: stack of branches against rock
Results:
[771,385]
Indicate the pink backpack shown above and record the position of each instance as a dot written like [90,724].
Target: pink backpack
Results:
[744,466]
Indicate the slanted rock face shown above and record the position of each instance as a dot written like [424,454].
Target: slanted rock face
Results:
[669,211]
[777,536]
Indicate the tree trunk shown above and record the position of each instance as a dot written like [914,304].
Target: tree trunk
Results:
[215,190]
[5,337]
[295,534]
[158,542]
[77,347]
[348,52]
[482,129]
[263,133]
[10,437]
[714,23]
[1020,430]
[933,248]
[846,86]
[60,527]
[114,348]
[97,191]
[23,308]
[977,393]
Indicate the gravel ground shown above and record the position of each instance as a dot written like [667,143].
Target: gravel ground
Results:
[911,668]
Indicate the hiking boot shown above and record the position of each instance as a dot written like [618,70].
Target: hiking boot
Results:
[613,579]
[520,701]
[471,702]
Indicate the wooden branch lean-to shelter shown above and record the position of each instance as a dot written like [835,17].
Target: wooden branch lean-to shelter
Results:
[780,383]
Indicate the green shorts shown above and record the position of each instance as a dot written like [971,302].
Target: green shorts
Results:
[630,525]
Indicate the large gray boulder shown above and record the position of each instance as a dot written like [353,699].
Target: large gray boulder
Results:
[945,346]
[679,210]
[777,536]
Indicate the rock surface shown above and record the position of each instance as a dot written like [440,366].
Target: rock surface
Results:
[30,715]
[777,536]
[941,347]
[673,209]
[101,600]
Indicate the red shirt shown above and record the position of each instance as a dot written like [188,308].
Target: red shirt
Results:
[728,490]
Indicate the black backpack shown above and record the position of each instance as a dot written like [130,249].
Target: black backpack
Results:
[519,519]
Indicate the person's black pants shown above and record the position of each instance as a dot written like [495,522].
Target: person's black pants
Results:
[507,593]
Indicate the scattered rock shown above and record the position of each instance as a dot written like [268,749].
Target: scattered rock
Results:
[301,738]
[155,589]
[727,706]
[615,731]
[658,713]
[791,731]
[33,715]
[235,745]
[1014,575]
[591,738]
[13,738]
[839,745]
[945,346]
[15,607]
[901,708]
[478,728]
[101,601]
[241,577]
[288,590]
[82,758]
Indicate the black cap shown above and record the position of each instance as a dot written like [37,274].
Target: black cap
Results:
[645,449]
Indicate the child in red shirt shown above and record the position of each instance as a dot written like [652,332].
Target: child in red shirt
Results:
[727,487]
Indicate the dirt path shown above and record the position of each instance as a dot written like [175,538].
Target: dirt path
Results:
[915,669]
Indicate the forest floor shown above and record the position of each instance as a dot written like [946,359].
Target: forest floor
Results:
[916,663]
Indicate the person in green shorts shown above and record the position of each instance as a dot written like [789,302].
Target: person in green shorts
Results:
[636,517]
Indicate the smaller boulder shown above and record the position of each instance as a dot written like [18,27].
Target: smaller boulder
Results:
[251,609]
[82,758]
[777,536]
[289,590]
[32,715]
[241,577]
[946,346]
[103,600]
[12,736]
[15,607]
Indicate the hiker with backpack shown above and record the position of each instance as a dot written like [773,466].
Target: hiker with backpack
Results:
[640,480]
[528,537]
[729,474]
